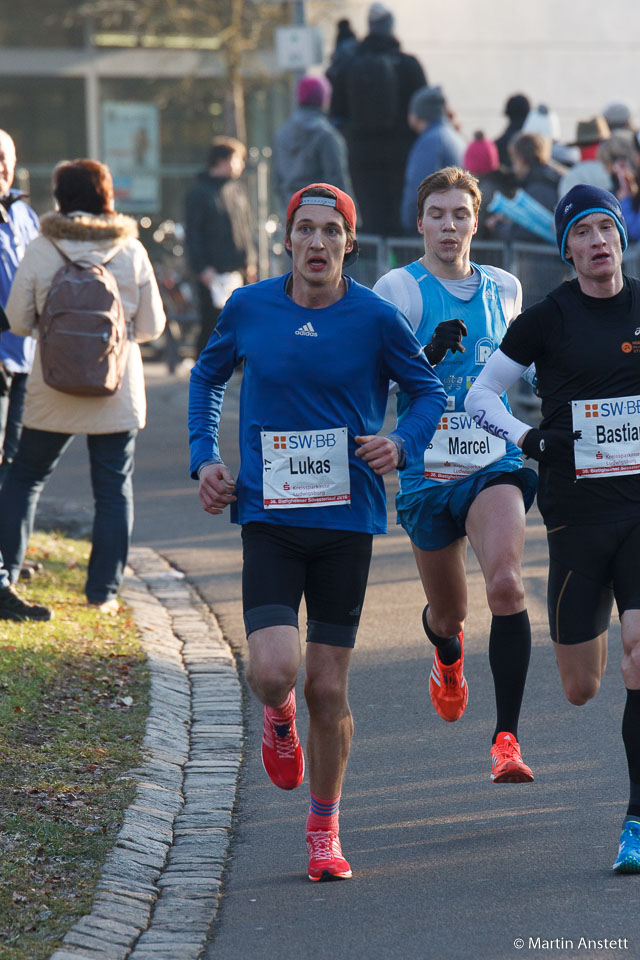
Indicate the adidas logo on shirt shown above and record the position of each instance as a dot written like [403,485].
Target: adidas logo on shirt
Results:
[306,330]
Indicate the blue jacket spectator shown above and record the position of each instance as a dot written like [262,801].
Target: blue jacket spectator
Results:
[631,218]
[438,145]
[18,227]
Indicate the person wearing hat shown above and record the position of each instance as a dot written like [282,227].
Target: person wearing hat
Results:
[463,489]
[584,339]
[618,116]
[308,148]
[542,120]
[371,94]
[482,160]
[318,352]
[590,170]
[438,146]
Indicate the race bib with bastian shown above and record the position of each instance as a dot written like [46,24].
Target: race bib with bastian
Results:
[459,448]
[610,442]
[309,468]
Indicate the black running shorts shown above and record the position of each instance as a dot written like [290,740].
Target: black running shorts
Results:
[590,565]
[329,567]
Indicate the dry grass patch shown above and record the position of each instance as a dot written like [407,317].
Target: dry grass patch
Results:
[73,703]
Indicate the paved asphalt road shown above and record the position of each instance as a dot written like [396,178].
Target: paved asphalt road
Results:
[446,864]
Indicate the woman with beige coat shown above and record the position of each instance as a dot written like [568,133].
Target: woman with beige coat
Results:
[84,227]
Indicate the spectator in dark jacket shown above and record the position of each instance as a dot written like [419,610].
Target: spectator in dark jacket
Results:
[308,148]
[370,102]
[516,109]
[346,43]
[219,232]
[536,176]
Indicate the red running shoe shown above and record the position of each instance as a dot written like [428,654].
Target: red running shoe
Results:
[507,765]
[325,857]
[282,756]
[448,687]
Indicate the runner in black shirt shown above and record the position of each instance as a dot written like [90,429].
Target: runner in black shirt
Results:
[584,339]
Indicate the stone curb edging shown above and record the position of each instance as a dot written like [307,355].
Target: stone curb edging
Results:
[159,888]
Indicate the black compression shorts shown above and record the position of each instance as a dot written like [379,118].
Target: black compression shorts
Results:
[329,567]
[590,565]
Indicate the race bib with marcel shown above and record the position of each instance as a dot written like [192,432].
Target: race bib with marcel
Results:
[459,448]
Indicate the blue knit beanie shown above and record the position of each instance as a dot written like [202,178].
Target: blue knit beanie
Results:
[579,202]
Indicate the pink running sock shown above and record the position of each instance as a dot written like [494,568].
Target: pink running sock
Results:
[286,711]
[323,814]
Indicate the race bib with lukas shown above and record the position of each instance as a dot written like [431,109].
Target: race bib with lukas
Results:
[308,468]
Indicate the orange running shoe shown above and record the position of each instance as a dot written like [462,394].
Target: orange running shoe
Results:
[282,756]
[325,857]
[507,765]
[448,688]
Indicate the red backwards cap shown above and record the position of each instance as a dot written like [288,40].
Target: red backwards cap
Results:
[342,202]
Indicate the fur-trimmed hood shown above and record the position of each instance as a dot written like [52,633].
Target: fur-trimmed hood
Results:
[101,228]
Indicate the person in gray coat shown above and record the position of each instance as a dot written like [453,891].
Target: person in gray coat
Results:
[308,148]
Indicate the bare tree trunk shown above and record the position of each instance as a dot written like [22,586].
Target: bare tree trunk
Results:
[235,119]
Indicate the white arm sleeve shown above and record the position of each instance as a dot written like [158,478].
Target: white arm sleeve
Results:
[483,401]
[401,289]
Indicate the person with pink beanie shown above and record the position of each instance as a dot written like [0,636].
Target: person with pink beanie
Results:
[481,156]
[308,148]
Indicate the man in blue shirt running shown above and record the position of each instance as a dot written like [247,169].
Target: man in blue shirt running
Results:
[319,350]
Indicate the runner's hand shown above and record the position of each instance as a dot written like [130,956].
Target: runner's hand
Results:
[216,488]
[549,446]
[379,452]
[446,336]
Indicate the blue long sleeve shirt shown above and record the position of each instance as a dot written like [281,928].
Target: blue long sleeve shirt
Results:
[312,369]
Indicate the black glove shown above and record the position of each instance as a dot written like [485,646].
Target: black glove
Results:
[446,336]
[550,446]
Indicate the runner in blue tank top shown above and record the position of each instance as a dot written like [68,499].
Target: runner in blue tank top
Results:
[466,485]
[318,352]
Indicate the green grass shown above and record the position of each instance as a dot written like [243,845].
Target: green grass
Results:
[74,696]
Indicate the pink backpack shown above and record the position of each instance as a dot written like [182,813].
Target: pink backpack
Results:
[83,335]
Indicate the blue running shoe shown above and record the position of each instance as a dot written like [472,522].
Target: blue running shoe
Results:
[628,860]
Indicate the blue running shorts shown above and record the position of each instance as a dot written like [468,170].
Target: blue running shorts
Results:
[435,517]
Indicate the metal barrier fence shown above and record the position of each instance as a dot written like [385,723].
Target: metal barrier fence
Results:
[537,266]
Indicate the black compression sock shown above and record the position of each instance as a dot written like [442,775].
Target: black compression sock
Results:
[449,648]
[509,653]
[631,738]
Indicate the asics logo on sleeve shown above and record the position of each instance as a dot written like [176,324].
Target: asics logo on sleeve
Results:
[306,330]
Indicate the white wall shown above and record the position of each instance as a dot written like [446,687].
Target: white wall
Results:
[574,55]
